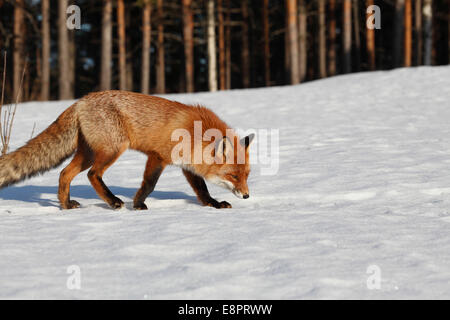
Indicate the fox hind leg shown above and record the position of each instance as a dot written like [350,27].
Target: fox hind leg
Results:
[201,190]
[153,170]
[103,160]
[81,161]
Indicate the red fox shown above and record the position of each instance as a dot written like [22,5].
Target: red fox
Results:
[102,125]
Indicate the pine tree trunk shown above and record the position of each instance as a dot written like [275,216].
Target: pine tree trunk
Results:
[245,46]
[19,48]
[332,37]
[266,30]
[418,32]
[357,35]
[65,90]
[428,30]
[45,73]
[322,41]
[302,39]
[222,75]
[408,34]
[228,45]
[122,45]
[160,65]
[347,35]
[105,73]
[291,11]
[188,33]
[398,32]
[370,41]
[146,45]
[212,67]
[129,55]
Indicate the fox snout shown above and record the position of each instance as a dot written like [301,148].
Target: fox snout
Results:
[240,194]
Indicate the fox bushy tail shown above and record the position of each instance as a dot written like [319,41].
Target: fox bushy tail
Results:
[42,153]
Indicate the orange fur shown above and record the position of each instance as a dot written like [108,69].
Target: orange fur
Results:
[102,125]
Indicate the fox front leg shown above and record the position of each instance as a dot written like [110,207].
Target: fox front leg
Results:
[201,190]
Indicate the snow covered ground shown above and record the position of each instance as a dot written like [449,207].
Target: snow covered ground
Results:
[362,194]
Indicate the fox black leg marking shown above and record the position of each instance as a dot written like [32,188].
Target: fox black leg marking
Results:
[153,171]
[201,190]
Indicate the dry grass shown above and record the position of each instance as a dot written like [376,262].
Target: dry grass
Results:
[8,112]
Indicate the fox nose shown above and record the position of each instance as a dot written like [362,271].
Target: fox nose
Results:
[246,196]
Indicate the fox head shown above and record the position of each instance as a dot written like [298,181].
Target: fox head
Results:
[234,168]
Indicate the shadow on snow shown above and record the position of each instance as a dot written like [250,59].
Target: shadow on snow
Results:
[34,194]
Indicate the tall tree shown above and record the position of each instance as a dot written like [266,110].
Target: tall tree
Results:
[347,35]
[222,75]
[302,39]
[322,41]
[398,33]
[45,73]
[266,31]
[370,41]
[428,30]
[160,65]
[122,45]
[188,33]
[418,32]
[64,54]
[212,67]
[332,37]
[408,34]
[105,73]
[357,45]
[245,45]
[19,46]
[146,43]
[291,12]
[228,45]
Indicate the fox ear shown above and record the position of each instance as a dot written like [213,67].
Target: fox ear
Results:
[247,140]
[223,146]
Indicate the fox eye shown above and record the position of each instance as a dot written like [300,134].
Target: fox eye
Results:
[235,177]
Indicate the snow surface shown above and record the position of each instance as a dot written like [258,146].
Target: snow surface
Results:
[363,184]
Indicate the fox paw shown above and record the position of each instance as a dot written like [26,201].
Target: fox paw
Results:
[140,206]
[116,203]
[219,205]
[71,204]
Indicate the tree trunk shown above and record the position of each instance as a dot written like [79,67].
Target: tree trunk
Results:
[266,31]
[245,46]
[303,37]
[222,75]
[418,32]
[222,53]
[408,34]
[370,41]
[428,30]
[160,65]
[122,45]
[228,45]
[45,73]
[322,41]
[347,35]
[105,73]
[357,34]
[291,11]
[332,36]
[188,33]
[65,90]
[398,32]
[212,67]
[19,47]
[146,46]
